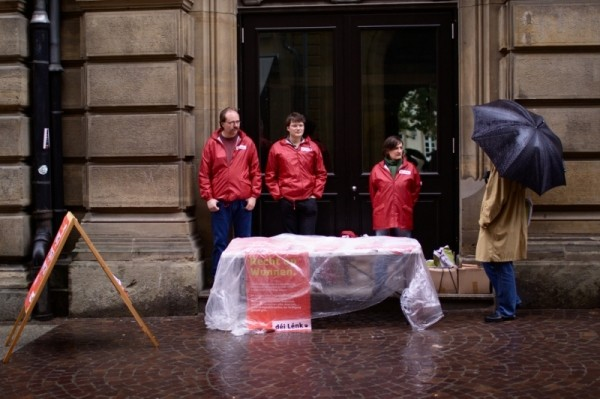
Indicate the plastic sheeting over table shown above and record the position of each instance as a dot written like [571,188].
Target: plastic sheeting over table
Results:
[340,275]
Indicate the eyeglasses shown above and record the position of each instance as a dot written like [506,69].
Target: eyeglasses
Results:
[233,122]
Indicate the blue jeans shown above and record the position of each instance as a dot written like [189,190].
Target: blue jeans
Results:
[229,214]
[502,277]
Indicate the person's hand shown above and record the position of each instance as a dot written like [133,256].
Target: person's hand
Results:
[211,204]
[250,203]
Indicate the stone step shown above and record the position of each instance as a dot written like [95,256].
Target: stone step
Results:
[563,248]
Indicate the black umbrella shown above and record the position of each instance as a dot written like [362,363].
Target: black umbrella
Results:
[520,145]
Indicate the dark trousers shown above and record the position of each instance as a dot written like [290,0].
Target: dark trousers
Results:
[299,217]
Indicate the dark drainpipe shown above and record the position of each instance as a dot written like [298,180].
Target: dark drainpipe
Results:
[40,124]
[56,71]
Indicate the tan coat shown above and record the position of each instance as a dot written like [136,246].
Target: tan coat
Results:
[502,221]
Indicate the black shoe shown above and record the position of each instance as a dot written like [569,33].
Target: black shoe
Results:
[494,318]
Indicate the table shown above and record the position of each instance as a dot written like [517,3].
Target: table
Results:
[344,275]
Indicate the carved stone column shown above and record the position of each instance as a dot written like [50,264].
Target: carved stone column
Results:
[479,57]
[216,71]
[137,137]
[15,149]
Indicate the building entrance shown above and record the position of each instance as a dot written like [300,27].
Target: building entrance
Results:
[358,78]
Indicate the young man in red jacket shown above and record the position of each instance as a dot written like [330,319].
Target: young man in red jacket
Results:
[296,176]
[229,178]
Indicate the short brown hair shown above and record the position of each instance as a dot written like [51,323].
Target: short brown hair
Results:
[294,117]
[391,143]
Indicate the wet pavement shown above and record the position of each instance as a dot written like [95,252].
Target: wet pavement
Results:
[367,354]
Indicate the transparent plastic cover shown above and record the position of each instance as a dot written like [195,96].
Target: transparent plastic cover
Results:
[258,278]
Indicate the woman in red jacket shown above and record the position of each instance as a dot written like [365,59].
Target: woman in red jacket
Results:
[295,176]
[394,185]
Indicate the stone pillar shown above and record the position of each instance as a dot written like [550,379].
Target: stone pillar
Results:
[135,90]
[479,62]
[15,149]
[216,43]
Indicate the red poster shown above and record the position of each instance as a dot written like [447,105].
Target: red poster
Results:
[278,292]
[49,261]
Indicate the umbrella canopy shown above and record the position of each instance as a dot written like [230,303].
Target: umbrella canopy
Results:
[519,144]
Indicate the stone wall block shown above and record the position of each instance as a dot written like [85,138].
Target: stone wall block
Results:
[566,285]
[187,83]
[15,185]
[12,303]
[576,126]
[137,33]
[73,134]
[555,223]
[133,84]
[15,230]
[547,23]
[556,76]
[189,186]
[188,132]
[187,34]
[135,135]
[133,186]
[581,188]
[13,31]
[14,86]
[72,88]
[14,137]
[155,288]
[70,34]
[73,176]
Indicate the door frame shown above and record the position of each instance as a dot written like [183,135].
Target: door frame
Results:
[342,18]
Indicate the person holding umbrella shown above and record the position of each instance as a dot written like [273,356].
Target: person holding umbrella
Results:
[502,240]
[525,153]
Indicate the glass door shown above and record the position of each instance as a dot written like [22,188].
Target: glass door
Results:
[358,78]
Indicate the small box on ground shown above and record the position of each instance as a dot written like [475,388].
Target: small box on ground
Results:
[473,280]
[445,280]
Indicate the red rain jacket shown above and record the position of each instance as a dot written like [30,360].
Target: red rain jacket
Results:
[239,179]
[295,173]
[393,199]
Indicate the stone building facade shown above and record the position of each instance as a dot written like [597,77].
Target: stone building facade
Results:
[143,82]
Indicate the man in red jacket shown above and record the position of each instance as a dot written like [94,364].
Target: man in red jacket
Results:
[296,176]
[230,181]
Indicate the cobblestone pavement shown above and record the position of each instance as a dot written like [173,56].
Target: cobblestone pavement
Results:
[367,354]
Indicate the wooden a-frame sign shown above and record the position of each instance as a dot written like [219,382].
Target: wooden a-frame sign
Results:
[41,279]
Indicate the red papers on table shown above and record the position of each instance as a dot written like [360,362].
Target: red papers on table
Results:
[278,291]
